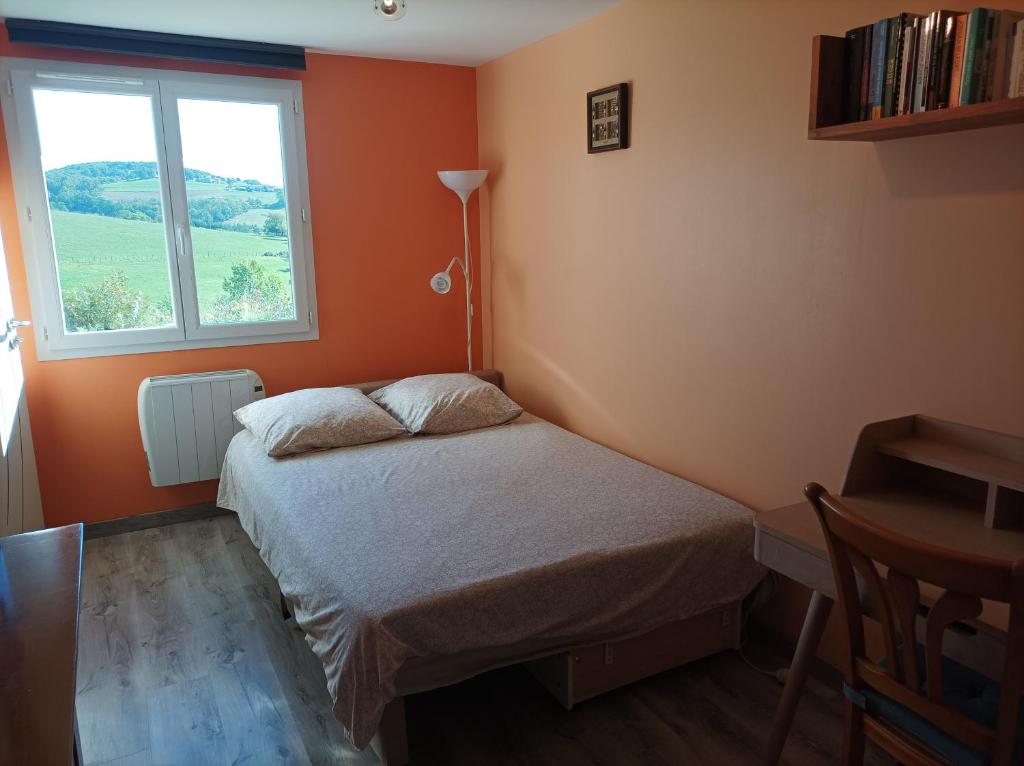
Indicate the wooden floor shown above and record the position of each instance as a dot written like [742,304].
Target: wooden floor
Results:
[184,659]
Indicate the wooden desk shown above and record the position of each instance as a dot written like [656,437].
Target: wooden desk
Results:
[944,483]
[789,540]
[40,585]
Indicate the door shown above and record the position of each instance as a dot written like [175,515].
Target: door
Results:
[20,506]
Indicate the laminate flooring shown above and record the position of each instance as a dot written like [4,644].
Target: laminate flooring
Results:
[184,659]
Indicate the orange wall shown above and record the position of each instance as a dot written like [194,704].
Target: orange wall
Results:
[726,299]
[376,131]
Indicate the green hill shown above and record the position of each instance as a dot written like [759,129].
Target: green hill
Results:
[132,190]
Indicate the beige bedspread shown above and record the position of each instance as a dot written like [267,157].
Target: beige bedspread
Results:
[430,546]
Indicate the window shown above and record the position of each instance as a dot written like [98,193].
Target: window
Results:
[160,210]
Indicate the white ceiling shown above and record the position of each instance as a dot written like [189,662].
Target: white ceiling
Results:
[467,32]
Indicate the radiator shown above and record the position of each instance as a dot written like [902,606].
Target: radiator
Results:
[187,422]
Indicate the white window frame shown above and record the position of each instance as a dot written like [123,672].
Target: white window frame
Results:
[165,87]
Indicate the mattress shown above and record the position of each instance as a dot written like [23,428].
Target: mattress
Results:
[432,548]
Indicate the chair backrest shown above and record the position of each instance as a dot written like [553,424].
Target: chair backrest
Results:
[858,546]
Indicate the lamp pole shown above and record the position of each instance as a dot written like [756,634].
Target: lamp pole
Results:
[463,183]
[467,270]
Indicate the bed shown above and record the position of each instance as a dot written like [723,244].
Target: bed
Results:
[420,561]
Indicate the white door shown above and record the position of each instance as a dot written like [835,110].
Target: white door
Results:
[20,506]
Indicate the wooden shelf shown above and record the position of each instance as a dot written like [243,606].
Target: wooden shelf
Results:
[960,460]
[1009,111]
[977,470]
[826,112]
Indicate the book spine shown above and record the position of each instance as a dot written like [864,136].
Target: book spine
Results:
[921,70]
[947,43]
[865,74]
[1016,89]
[956,77]
[879,39]
[975,37]
[934,56]
[1003,51]
[854,66]
[892,52]
[986,57]
[909,60]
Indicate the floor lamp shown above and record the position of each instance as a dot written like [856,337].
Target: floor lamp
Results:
[463,183]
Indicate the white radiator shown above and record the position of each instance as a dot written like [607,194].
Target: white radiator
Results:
[187,422]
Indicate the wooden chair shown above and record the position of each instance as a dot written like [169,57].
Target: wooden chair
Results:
[920,706]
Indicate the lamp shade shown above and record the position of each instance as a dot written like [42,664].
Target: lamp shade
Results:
[462,182]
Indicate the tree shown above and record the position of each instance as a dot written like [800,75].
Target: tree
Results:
[111,305]
[278,202]
[212,212]
[252,294]
[273,226]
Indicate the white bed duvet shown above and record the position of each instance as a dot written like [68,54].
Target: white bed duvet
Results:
[433,546]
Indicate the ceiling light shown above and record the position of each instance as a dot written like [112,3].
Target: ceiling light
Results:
[390,9]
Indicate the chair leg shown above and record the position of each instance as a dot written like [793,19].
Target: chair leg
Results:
[853,735]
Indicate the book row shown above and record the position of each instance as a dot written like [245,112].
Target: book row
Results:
[915,63]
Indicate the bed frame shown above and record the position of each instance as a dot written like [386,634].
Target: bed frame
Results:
[578,672]
[571,672]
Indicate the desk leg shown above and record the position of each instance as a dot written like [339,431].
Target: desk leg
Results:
[76,748]
[806,650]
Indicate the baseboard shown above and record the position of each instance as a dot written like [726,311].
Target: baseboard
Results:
[96,529]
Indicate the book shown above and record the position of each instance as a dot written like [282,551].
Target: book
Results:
[854,71]
[956,76]
[906,96]
[1016,88]
[879,41]
[892,52]
[865,76]
[977,22]
[947,43]
[941,36]
[924,42]
[999,73]
[983,59]
[903,30]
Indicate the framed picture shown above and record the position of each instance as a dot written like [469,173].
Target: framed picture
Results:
[608,118]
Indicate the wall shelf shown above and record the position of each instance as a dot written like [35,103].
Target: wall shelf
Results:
[826,110]
[980,473]
[983,466]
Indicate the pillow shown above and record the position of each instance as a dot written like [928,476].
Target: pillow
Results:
[316,418]
[446,404]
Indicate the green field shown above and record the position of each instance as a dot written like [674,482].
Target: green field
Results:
[149,188]
[256,216]
[92,247]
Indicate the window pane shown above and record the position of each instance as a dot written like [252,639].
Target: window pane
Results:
[102,181]
[236,206]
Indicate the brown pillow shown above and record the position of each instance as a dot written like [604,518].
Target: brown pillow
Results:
[316,418]
[446,404]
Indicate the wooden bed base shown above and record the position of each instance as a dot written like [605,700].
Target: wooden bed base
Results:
[583,672]
[578,673]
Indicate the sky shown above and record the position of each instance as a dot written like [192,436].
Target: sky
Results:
[230,139]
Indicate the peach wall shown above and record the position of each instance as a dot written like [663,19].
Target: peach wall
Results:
[726,299]
[376,131]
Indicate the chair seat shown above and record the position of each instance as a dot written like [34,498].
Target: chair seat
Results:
[967,691]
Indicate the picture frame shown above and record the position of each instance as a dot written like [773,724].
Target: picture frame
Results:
[608,118]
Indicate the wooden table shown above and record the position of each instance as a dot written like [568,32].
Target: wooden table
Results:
[40,586]
[790,541]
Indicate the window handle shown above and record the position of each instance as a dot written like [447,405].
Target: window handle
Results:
[14,323]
